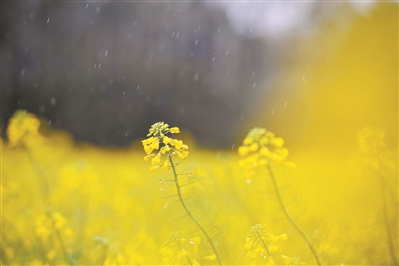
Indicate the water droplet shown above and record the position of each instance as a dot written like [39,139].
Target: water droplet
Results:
[53,101]
[86,6]
[23,72]
[253,86]
[99,65]
[227,52]
[273,112]
[196,42]
[106,52]
[48,20]
[196,76]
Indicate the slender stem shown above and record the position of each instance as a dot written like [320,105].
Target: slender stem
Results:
[264,244]
[291,219]
[189,213]
[386,220]
[46,197]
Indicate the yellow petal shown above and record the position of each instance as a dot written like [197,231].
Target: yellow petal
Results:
[174,130]
[210,257]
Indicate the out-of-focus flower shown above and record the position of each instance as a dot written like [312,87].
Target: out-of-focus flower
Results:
[261,244]
[371,144]
[23,128]
[371,140]
[292,261]
[261,148]
[180,249]
[160,142]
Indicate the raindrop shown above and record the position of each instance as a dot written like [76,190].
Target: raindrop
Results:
[253,86]
[196,42]
[127,133]
[196,76]
[86,6]
[49,122]
[99,65]
[53,101]
[48,20]
[98,8]
[227,52]
[95,65]
[42,108]
[213,59]
[273,112]
[138,87]
[26,50]
[249,181]
[106,52]
[285,104]
[232,147]
[218,30]
[124,92]
[250,30]
[23,72]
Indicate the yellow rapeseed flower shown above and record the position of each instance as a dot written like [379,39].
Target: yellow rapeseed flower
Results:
[23,128]
[159,141]
[260,148]
[261,244]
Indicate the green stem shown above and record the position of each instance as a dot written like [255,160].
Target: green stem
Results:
[189,213]
[386,220]
[46,197]
[291,219]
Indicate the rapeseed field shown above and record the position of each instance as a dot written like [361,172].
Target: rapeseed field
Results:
[167,201]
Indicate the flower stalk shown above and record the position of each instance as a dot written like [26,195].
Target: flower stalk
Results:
[262,149]
[158,144]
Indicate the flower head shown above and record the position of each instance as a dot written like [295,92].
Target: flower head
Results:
[260,148]
[23,128]
[161,144]
[261,244]
[180,248]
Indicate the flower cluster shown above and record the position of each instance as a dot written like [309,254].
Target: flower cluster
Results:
[23,128]
[180,249]
[158,141]
[261,147]
[371,141]
[261,244]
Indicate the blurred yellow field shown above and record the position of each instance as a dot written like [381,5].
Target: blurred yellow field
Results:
[331,167]
[67,203]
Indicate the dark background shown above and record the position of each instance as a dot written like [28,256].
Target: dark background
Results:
[106,71]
